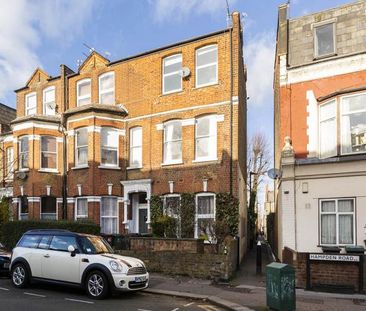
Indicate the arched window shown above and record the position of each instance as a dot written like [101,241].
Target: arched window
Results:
[83,92]
[173,142]
[206,66]
[106,88]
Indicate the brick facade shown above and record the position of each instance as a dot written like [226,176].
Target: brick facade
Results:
[139,102]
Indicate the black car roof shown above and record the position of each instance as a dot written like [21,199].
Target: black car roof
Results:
[51,232]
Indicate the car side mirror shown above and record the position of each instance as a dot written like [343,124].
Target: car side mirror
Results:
[71,249]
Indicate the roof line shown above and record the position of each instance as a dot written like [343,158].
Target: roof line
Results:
[6,106]
[170,46]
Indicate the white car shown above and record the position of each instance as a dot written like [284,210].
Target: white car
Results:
[61,256]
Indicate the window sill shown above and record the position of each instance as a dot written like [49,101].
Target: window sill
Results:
[104,167]
[197,87]
[134,168]
[45,170]
[325,56]
[172,163]
[205,160]
[80,167]
[177,92]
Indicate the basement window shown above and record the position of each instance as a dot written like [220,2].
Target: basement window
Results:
[48,208]
[324,35]
[81,209]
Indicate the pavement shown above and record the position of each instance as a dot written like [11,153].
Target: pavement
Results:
[246,291]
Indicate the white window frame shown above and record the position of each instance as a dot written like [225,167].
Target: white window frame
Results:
[9,164]
[48,89]
[335,119]
[203,216]
[48,169]
[341,120]
[136,128]
[316,48]
[77,164]
[27,108]
[176,216]
[78,217]
[113,217]
[207,65]
[113,148]
[165,143]
[172,73]
[337,220]
[20,152]
[79,97]
[106,91]
[213,136]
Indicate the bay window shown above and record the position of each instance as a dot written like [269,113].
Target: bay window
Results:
[48,153]
[81,209]
[30,104]
[48,208]
[173,142]
[83,92]
[172,79]
[353,124]
[136,147]
[328,129]
[206,66]
[109,147]
[205,216]
[109,215]
[337,222]
[49,104]
[23,152]
[9,163]
[106,88]
[81,147]
[206,138]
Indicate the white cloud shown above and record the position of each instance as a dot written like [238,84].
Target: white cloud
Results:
[25,26]
[259,57]
[178,10]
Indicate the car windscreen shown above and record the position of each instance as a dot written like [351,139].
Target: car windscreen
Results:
[94,245]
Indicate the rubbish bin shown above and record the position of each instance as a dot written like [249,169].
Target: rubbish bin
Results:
[357,249]
[280,285]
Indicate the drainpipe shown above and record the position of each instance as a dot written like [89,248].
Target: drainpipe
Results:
[64,142]
[231,106]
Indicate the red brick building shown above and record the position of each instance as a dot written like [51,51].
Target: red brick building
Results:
[99,142]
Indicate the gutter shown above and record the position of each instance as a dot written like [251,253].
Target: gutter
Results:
[231,108]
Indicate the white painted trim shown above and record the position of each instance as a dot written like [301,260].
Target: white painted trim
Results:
[78,97]
[187,122]
[34,200]
[235,101]
[70,200]
[34,124]
[8,139]
[325,69]
[312,124]
[159,126]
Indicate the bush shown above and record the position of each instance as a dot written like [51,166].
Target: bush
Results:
[12,231]
[165,226]
[4,211]
[188,210]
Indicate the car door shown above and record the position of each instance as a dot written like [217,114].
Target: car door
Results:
[38,252]
[58,263]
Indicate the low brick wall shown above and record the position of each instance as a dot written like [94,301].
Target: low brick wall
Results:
[184,257]
[325,273]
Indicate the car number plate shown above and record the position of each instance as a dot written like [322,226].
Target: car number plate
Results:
[140,278]
[6,265]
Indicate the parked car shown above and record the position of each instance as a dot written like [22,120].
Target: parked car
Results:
[84,260]
[4,261]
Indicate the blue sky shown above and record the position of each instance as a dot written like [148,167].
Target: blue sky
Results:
[48,33]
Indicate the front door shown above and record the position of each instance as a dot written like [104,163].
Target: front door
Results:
[142,220]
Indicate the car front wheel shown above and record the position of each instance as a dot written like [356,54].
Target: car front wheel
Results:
[19,275]
[97,285]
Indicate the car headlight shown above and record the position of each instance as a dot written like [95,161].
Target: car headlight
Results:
[115,266]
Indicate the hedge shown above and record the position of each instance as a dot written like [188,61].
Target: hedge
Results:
[12,231]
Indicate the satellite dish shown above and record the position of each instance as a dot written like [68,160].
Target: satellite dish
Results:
[274,173]
[22,175]
[185,72]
